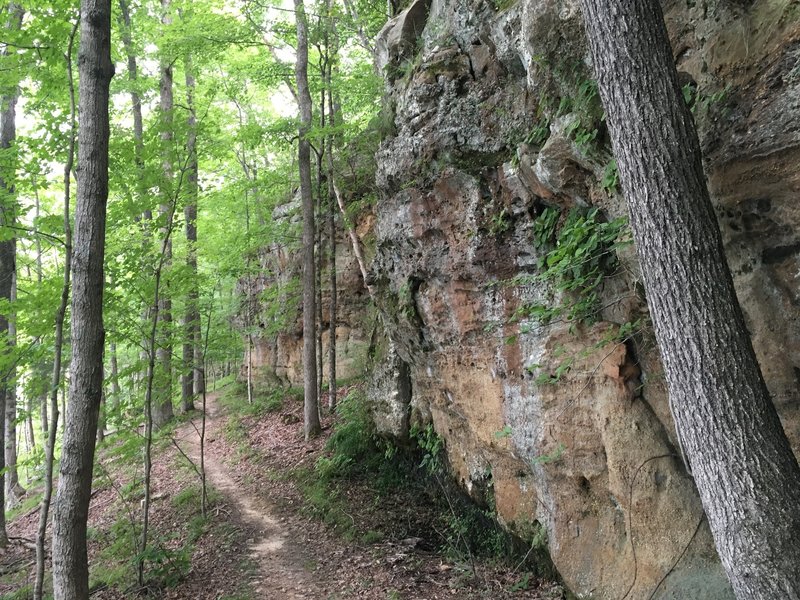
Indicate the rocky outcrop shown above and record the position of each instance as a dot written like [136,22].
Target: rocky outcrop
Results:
[497,120]
[271,310]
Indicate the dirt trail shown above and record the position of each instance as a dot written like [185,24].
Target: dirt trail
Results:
[279,560]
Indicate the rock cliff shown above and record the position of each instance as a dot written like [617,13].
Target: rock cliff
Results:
[497,128]
[271,307]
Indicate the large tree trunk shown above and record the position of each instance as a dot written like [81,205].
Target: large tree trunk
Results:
[70,568]
[8,210]
[192,318]
[7,135]
[162,408]
[746,473]
[6,256]
[312,425]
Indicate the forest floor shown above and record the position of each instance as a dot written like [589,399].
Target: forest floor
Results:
[274,529]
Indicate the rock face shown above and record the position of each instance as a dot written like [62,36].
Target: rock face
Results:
[270,309]
[496,121]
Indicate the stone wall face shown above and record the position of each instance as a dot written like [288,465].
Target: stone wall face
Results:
[592,457]
[276,316]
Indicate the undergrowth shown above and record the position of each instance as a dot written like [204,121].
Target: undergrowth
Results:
[355,452]
[580,253]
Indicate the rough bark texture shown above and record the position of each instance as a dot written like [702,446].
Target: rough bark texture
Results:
[70,568]
[162,407]
[320,156]
[6,272]
[332,390]
[746,473]
[191,344]
[8,209]
[311,421]
[332,57]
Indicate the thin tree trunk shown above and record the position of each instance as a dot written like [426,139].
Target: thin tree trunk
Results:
[138,147]
[163,411]
[248,316]
[39,368]
[351,232]
[311,420]
[70,567]
[13,488]
[746,473]
[363,37]
[192,317]
[101,420]
[202,370]
[250,174]
[30,430]
[64,397]
[56,375]
[152,356]
[332,56]
[248,311]
[39,277]
[332,391]
[6,256]
[116,392]
[320,254]
[136,101]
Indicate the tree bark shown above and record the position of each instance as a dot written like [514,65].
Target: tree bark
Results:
[311,421]
[8,212]
[320,155]
[70,568]
[332,57]
[162,408]
[7,136]
[191,344]
[729,430]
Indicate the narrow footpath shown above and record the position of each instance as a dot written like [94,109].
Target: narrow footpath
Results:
[280,560]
